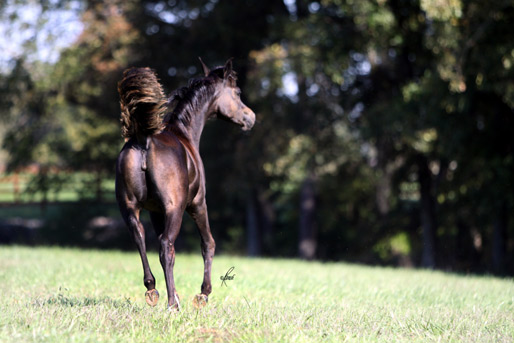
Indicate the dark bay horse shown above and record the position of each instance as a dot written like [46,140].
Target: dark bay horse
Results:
[160,169]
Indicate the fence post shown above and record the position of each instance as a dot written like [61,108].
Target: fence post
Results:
[16,187]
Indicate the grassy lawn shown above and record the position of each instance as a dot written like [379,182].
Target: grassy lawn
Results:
[66,295]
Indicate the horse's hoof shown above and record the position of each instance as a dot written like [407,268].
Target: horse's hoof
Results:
[200,300]
[176,306]
[173,308]
[152,297]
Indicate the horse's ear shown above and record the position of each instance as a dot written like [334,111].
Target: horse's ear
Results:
[227,69]
[206,70]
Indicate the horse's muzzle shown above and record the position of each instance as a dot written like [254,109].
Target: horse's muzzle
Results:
[248,119]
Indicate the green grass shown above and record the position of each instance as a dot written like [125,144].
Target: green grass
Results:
[66,295]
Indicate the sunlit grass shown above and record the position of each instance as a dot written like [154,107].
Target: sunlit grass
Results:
[65,295]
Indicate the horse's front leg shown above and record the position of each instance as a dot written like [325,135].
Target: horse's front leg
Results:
[199,214]
[167,239]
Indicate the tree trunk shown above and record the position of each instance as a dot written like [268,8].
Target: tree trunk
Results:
[253,245]
[384,185]
[307,226]
[499,240]
[383,193]
[427,213]
[265,219]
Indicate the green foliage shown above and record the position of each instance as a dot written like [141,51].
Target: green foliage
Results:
[400,111]
[63,115]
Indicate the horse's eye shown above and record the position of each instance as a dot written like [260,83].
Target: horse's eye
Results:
[238,92]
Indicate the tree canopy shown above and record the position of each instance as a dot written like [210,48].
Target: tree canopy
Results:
[384,127]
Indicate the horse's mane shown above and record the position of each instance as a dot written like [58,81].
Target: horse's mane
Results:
[185,102]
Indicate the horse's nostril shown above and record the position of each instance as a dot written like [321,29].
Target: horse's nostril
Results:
[250,115]
[248,121]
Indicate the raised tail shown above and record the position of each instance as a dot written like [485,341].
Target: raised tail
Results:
[143,103]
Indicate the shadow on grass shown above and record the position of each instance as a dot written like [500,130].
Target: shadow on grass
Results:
[70,301]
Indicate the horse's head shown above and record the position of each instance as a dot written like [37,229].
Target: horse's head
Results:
[227,103]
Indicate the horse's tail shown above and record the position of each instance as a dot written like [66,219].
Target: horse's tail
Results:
[142,103]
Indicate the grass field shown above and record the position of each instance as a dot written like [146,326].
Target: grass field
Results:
[66,295]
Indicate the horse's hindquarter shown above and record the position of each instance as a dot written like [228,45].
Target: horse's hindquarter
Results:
[172,174]
[170,170]
[130,177]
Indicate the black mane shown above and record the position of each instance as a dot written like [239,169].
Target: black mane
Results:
[184,102]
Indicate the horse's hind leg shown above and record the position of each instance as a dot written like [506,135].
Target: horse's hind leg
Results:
[199,214]
[131,217]
[172,221]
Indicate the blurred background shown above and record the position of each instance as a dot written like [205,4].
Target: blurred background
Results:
[384,134]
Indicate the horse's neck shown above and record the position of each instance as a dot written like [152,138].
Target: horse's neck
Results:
[198,119]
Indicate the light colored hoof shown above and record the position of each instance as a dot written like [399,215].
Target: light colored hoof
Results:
[152,297]
[200,300]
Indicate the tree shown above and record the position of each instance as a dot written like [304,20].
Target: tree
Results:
[64,114]
[384,128]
